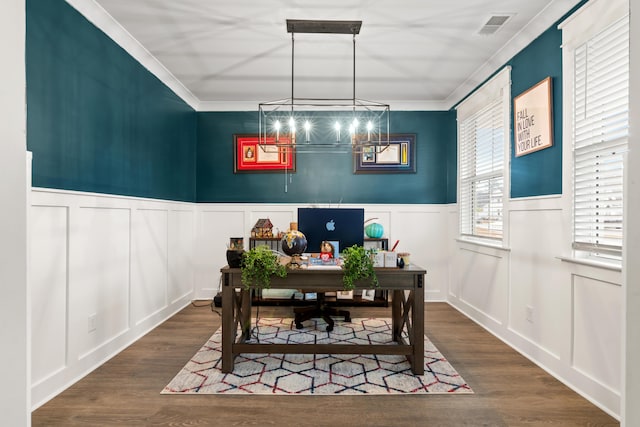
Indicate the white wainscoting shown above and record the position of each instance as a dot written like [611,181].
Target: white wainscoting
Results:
[107,269]
[104,271]
[565,317]
[421,230]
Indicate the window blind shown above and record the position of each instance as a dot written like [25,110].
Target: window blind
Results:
[481,168]
[600,138]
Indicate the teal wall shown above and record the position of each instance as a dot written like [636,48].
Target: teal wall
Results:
[539,173]
[97,120]
[327,178]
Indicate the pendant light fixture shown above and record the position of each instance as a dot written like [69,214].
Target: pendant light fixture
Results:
[359,125]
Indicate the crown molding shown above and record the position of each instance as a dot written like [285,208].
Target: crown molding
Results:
[99,17]
[218,106]
[93,12]
[538,25]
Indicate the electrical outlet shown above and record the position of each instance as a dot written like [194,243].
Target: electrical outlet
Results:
[93,322]
[529,314]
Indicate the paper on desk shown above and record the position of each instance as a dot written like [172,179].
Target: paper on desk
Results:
[323,267]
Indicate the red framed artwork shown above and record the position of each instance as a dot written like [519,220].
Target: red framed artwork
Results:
[251,156]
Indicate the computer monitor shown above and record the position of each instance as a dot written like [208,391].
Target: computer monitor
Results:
[342,225]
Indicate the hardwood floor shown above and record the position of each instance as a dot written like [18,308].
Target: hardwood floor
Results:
[509,389]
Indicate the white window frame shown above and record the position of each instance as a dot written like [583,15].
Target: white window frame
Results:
[498,88]
[589,21]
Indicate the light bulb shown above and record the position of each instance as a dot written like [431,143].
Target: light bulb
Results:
[307,127]
[277,126]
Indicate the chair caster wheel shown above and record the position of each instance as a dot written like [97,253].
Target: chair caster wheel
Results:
[299,326]
[329,328]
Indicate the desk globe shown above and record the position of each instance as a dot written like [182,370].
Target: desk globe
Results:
[293,244]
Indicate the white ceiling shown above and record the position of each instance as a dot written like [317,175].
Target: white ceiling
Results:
[231,54]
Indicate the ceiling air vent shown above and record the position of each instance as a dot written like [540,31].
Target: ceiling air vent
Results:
[494,23]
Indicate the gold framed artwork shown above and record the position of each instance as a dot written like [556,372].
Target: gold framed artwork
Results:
[532,119]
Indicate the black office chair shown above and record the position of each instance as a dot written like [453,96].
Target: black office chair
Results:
[320,309]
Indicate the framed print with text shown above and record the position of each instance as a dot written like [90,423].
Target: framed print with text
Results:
[532,120]
[251,156]
[398,157]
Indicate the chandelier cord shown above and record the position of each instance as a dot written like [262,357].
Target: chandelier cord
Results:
[354,73]
[292,69]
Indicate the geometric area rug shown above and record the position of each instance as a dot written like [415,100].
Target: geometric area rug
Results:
[317,374]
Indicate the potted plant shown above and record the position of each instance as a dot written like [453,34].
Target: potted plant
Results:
[258,265]
[357,265]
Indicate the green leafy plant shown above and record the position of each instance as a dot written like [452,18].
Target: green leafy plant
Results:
[258,265]
[357,265]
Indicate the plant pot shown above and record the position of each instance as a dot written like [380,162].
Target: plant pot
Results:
[234,258]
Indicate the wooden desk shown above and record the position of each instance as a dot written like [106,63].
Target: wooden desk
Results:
[407,313]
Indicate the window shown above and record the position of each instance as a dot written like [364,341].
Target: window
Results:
[483,129]
[599,135]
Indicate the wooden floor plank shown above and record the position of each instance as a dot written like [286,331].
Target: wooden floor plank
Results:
[509,389]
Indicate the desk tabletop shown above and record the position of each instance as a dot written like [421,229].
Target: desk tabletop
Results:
[330,279]
[410,269]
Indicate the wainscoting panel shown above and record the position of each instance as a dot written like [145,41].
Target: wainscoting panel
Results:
[597,334]
[215,227]
[539,295]
[182,225]
[423,234]
[100,268]
[453,221]
[149,279]
[482,281]
[99,277]
[49,291]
